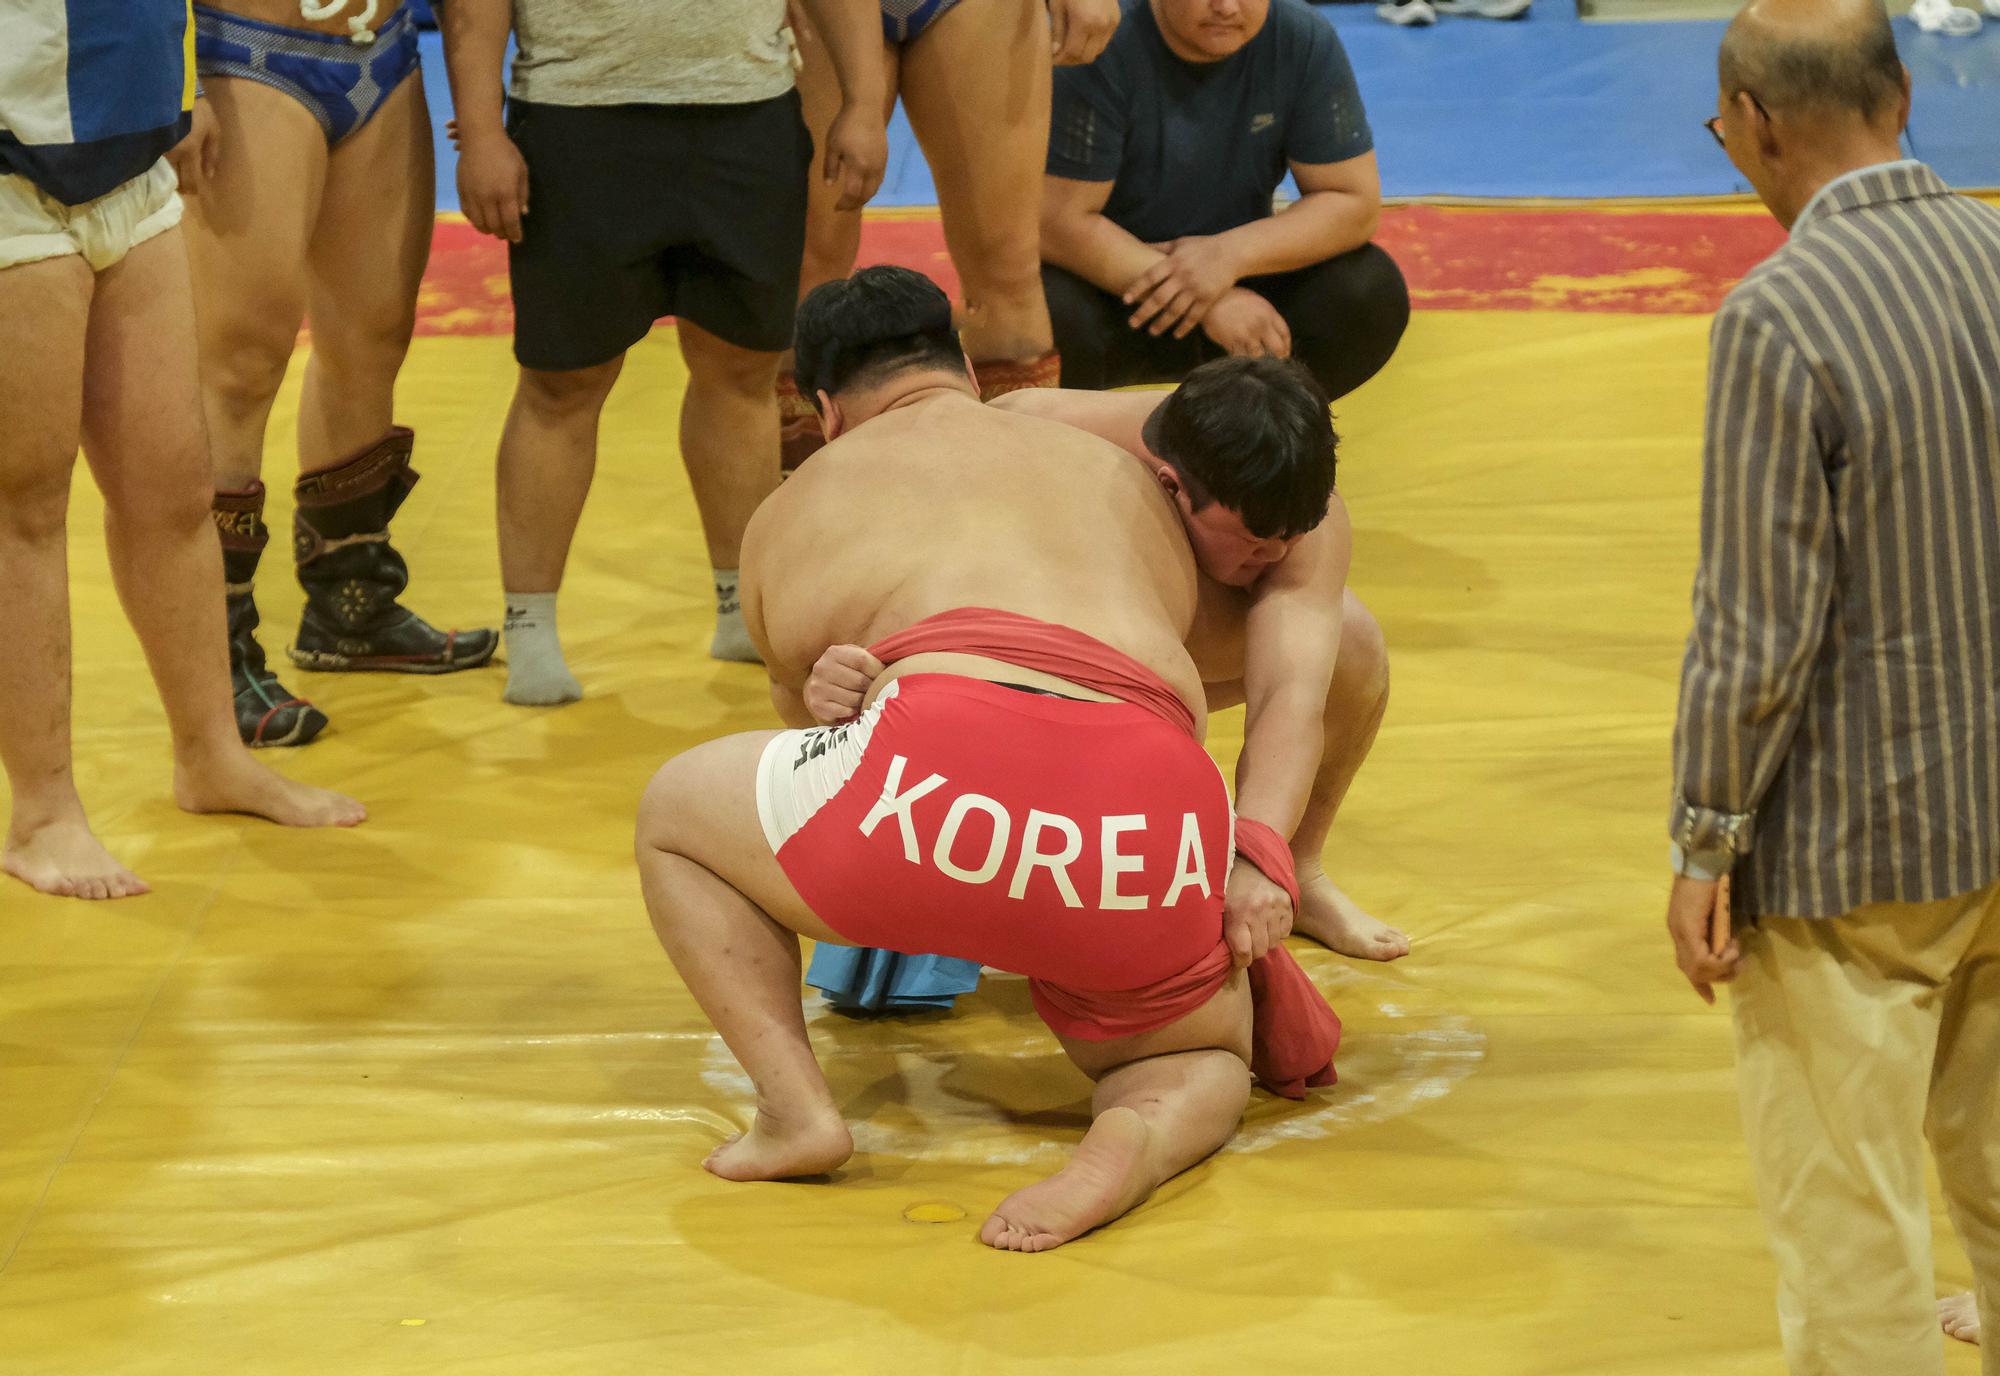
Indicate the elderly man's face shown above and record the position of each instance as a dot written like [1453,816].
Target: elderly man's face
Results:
[1744,126]
[1210,30]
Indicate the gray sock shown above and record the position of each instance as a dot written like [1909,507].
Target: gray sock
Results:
[732,640]
[536,674]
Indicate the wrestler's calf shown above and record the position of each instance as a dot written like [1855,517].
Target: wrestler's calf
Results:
[698,850]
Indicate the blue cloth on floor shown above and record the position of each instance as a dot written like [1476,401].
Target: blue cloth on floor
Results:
[862,979]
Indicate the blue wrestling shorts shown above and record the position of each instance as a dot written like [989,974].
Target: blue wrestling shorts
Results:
[903,20]
[341,82]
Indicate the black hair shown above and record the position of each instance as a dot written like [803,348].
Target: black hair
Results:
[1853,67]
[856,331]
[1254,434]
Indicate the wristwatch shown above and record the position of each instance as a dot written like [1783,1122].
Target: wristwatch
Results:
[1707,843]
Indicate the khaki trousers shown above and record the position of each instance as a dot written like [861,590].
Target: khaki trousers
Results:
[1856,1037]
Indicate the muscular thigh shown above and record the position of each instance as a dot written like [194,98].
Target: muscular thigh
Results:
[976,84]
[373,235]
[703,805]
[249,228]
[143,431]
[44,317]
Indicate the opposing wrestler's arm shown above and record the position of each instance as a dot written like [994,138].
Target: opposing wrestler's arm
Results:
[1116,416]
[1292,639]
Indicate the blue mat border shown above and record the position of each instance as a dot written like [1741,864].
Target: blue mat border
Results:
[1547,107]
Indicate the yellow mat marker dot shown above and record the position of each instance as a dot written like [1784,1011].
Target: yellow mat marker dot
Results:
[415,1323]
[933,1213]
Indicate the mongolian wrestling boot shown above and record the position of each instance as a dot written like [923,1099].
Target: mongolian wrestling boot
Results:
[266,714]
[352,574]
[999,376]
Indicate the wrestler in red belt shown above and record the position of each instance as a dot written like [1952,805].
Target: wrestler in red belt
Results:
[1087,851]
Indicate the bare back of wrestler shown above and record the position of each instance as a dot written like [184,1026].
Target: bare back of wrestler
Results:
[988,803]
[962,505]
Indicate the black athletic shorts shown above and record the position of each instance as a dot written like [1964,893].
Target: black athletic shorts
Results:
[641,211]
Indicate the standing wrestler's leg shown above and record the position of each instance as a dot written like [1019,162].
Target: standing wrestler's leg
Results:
[729,442]
[247,230]
[730,920]
[248,234]
[44,314]
[976,84]
[1163,1102]
[142,433]
[366,261]
[1356,699]
[833,235]
[548,455]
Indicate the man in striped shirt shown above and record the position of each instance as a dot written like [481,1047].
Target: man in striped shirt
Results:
[1838,751]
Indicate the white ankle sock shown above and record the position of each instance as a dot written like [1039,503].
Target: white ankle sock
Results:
[732,639]
[536,674]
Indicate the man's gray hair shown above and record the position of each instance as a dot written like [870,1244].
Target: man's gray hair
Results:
[1852,67]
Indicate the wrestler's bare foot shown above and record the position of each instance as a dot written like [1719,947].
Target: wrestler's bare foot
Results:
[1106,1178]
[1960,1317]
[781,1148]
[1337,922]
[229,780]
[64,859]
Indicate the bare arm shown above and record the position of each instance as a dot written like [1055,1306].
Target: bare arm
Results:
[1076,235]
[475,56]
[1119,417]
[1338,211]
[857,145]
[1292,640]
[1339,207]
[492,175]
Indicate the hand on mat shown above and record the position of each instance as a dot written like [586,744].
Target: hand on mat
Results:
[1178,292]
[492,184]
[1248,326]
[1256,913]
[1080,29]
[839,683]
[1704,946]
[194,157]
[857,154]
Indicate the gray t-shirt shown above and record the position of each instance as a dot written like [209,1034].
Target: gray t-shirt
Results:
[650,52]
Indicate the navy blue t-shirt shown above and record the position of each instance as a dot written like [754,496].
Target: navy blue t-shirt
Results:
[1199,147]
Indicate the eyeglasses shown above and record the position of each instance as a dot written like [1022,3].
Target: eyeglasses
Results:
[1714,122]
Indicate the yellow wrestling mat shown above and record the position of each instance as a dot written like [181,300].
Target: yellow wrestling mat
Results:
[426,1097]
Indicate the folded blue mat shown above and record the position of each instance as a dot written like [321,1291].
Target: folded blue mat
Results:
[859,979]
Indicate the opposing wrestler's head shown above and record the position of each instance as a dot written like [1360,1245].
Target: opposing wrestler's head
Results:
[855,334]
[1246,449]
